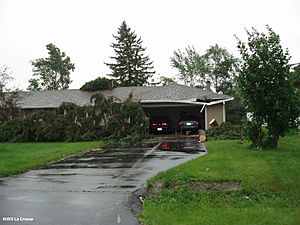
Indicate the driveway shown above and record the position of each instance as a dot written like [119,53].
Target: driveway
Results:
[89,189]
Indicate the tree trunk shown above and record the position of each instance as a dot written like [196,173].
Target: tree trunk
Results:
[274,140]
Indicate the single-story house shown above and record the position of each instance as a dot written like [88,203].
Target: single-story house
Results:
[168,100]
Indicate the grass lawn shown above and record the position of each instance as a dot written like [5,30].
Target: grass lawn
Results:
[21,157]
[268,192]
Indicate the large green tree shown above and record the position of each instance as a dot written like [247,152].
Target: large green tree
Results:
[266,86]
[53,72]
[131,67]
[216,65]
[190,65]
[221,67]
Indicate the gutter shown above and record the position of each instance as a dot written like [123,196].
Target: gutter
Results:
[220,101]
[186,102]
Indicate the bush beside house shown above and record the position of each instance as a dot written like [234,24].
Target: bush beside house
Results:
[227,131]
[75,123]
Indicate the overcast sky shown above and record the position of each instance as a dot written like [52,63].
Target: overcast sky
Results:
[83,30]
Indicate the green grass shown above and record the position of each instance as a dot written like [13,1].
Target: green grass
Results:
[269,192]
[20,157]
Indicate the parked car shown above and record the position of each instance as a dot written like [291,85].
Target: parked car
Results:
[189,123]
[160,124]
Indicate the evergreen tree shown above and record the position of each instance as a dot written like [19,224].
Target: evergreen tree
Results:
[131,66]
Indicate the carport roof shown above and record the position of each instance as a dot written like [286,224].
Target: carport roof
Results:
[167,92]
[145,94]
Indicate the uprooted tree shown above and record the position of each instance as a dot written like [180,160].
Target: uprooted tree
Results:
[266,86]
[123,123]
[124,120]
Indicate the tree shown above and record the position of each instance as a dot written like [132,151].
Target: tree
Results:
[53,72]
[297,75]
[123,119]
[190,65]
[34,85]
[167,80]
[217,66]
[131,66]
[266,86]
[100,83]
[8,97]
[221,68]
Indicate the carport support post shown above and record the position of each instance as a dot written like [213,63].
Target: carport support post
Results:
[203,107]
[205,112]
[224,114]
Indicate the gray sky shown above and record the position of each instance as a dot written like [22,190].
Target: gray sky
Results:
[83,29]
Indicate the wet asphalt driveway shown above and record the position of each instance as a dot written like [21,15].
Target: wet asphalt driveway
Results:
[89,189]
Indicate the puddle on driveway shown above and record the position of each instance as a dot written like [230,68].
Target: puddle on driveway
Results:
[115,186]
[128,157]
[57,174]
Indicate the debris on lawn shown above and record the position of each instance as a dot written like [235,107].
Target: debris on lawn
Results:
[96,150]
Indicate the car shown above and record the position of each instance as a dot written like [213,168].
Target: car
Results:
[189,123]
[160,124]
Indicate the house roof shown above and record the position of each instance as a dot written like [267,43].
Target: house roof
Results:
[53,98]
[145,94]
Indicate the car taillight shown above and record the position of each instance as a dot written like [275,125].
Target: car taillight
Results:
[195,123]
[154,124]
[165,146]
[181,123]
[164,124]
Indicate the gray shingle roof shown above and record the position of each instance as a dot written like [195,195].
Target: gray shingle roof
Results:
[174,92]
[53,98]
[168,92]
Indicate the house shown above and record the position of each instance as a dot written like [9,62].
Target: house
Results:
[170,100]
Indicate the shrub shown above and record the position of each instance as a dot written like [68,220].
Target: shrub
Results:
[226,131]
[100,83]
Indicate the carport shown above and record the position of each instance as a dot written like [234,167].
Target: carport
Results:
[174,111]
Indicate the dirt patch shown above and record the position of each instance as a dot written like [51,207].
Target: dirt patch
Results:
[155,189]
[209,185]
[197,186]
